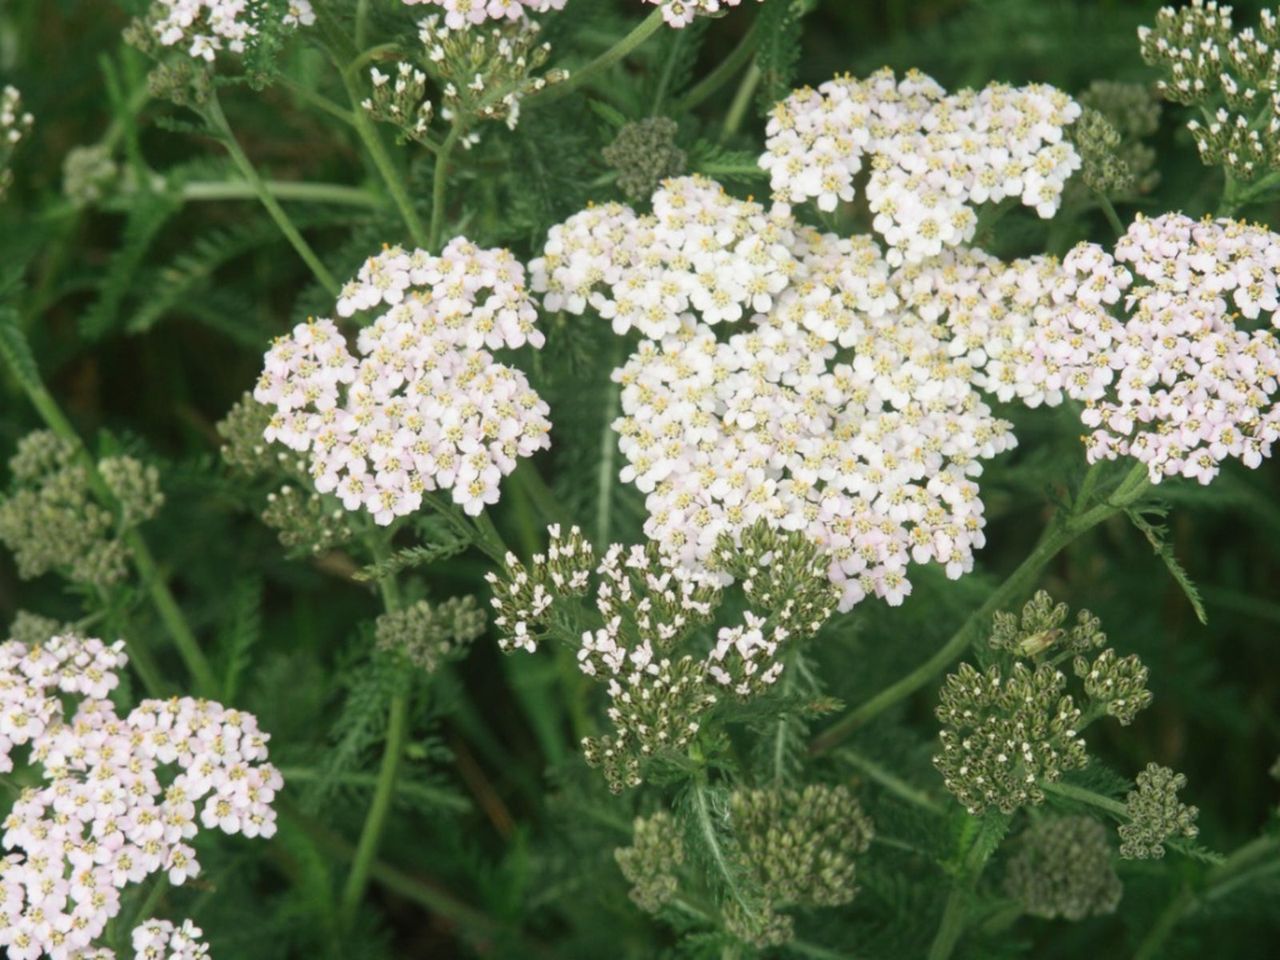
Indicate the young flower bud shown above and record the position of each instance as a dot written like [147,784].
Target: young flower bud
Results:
[645,153]
[652,861]
[429,634]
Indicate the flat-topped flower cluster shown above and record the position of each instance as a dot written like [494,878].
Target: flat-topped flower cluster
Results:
[832,411]
[933,155]
[463,13]
[119,799]
[425,406]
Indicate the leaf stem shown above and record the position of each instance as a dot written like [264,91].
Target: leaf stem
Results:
[334,193]
[642,32]
[724,71]
[1061,532]
[741,101]
[213,112]
[439,180]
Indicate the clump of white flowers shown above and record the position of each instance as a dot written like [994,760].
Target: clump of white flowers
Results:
[115,800]
[15,124]
[161,940]
[836,411]
[460,14]
[207,27]
[1178,385]
[424,405]
[933,155]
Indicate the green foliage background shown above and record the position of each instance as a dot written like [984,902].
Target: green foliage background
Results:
[149,319]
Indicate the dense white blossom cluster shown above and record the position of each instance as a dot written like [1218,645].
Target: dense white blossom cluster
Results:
[15,124]
[1178,385]
[206,27]
[119,799]
[460,14]
[933,155]
[424,406]
[836,411]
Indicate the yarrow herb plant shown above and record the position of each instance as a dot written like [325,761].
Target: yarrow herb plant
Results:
[684,478]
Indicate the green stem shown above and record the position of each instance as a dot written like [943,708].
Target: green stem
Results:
[1060,533]
[375,820]
[372,141]
[893,783]
[741,101]
[608,449]
[723,73]
[1081,795]
[1110,212]
[955,915]
[213,111]
[439,179]
[707,828]
[540,495]
[642,32]
[319,101]
[420,792]
[334,193]
[1224,875]
[166,607]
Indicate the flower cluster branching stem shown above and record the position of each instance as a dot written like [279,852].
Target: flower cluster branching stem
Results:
[1062,531]
[642,32]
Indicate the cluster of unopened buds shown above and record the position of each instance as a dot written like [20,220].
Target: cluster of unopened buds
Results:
[933,155]
[1231,75]
[425,406]
[119,800]
[207,27]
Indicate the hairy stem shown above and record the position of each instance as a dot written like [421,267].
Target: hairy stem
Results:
[218,119]
[1060,533]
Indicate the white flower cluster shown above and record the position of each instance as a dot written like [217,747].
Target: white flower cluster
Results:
[837,412]
[206,27]
[15,124]
[523,596]
[425,406]
[700,255]
[1178,385]
[681,13]
[120,800]
[460,14]
[933,155]
[161,940]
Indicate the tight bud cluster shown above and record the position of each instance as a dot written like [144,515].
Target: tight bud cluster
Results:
[115,798]
[424,406]
[1156,815]
[644,153]
[648,609]
[51,520]
[652,863]
[1232,76]
[1062,868]
[933,155]
[429,634]
[1132,110]
[1013,726]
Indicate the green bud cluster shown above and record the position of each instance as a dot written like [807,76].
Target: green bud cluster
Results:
[1232,76]
[652,713]
[1156,814]
[762,928]
[1098,143]
[52,521]
[651,863]
[244,448]
[1062,868]
[801,845]
[307,522]
[34,630]
[181,81]
[645,153]
[782,572]
[89,174]
[428,634]
[1013,726]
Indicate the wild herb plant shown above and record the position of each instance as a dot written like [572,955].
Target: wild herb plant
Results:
[580,478]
